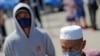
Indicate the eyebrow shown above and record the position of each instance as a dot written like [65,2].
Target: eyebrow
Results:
[73,45]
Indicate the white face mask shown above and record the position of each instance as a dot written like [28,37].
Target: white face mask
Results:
[71,53]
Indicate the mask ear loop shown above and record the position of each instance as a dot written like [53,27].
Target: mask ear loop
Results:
[79,50]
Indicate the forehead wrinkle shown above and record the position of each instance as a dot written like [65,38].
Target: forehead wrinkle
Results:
[70,43]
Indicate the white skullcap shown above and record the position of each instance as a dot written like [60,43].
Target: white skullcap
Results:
[73,32]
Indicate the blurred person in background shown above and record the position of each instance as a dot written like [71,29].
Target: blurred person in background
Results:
[41,2]
[70,5]
[2,25]
[73,44]
[92,6]
[36,10]
[27,40]
[80,13]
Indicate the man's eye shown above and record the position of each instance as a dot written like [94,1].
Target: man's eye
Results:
[73,49]
[64,47]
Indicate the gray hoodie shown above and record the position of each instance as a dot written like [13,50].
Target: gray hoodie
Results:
[38,43]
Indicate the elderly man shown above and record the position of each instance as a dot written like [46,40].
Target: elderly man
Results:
[27,40]
[72,42]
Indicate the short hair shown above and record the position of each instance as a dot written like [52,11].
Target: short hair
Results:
[22,1]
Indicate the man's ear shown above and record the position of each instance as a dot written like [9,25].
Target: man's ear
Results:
[83,44]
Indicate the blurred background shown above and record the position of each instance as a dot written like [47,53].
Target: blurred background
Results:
[51,16]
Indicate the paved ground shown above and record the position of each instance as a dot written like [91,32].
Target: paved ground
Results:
[52,24]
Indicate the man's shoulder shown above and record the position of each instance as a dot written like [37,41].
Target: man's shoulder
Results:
[11,37]
[91,52]
[40,30]
[43,33]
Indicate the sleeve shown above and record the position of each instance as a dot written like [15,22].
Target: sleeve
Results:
[8,49]
[50,50]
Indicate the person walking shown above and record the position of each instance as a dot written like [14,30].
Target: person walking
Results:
[27,40]
[92,6]
[80,13]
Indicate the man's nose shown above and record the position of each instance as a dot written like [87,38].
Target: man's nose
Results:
[23,15]
[68,50]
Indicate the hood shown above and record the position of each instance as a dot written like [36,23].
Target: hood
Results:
[17,25]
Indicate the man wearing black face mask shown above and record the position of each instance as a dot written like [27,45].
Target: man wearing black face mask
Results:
[27,40]
[34,4]
[24,19]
